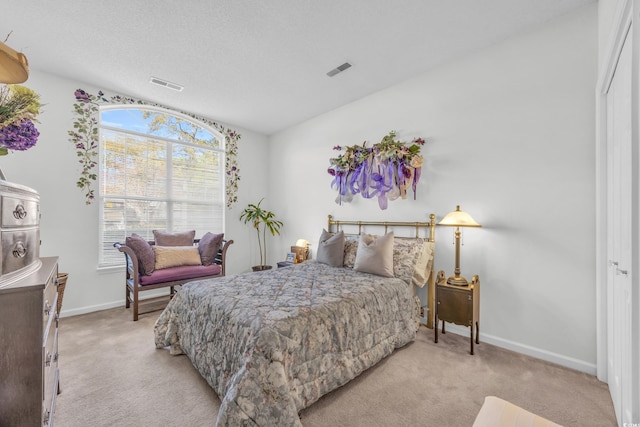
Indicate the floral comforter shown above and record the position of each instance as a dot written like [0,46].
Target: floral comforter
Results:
[271,343]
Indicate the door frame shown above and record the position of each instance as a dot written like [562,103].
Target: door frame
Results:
[626,11]
[622,24]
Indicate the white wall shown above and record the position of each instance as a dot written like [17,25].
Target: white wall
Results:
[510,137]
[69,228]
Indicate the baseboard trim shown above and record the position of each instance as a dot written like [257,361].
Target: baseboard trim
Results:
[109,305]
[558,359]
[91,309]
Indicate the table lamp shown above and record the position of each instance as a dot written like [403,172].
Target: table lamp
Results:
[301,249]
[458,219]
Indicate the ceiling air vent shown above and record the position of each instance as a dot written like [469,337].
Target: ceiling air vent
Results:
[164,83]
[338,69]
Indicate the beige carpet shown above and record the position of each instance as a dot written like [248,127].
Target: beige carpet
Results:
[112,375]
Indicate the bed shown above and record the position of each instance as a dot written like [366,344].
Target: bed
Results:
[271,343]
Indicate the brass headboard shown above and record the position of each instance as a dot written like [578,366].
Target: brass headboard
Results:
[430,227]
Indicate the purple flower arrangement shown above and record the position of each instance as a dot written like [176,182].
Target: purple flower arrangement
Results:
[386,170]
[19,136]
[19,107]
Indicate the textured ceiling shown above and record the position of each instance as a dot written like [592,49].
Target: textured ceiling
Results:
[259,64]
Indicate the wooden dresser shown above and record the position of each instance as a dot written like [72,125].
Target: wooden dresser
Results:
[29,353]
[28,313]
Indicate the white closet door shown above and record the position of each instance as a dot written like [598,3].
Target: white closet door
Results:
[619,198]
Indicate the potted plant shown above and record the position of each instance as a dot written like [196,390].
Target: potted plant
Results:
[262,220]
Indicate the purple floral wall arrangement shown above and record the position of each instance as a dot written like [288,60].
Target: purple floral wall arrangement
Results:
[19,107]
[386,170]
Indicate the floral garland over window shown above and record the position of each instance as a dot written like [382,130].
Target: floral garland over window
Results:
[85,138]
[385,170]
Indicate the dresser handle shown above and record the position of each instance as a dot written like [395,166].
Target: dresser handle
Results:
[47,359]
[55,357]
[20,212]
[47,307]
[45,418]
[19,250]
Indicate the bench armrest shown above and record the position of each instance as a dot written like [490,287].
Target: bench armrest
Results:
[221,256]
[132,261]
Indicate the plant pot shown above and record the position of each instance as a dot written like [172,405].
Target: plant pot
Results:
[261,267]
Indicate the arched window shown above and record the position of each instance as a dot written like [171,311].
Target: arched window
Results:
[159,170]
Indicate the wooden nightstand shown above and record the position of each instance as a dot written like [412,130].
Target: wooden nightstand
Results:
[459,305]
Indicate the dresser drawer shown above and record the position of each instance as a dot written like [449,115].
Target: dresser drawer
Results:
[49,348]
[49,403]
[49,384]
[20,249]
[19,212]
[49,304]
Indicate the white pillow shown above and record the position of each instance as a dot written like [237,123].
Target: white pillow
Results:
[331,248]
[423,265]
[375,255]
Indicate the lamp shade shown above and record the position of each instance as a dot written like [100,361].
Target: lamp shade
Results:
[302,243]
[14,67]
[458,218]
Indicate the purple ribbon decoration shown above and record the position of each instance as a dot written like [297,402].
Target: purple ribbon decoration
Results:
[382,182]
[361,179]
[416,178]
[387,179]
[340,183]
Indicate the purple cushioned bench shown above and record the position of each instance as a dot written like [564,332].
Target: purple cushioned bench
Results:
[179,273]
[166,277]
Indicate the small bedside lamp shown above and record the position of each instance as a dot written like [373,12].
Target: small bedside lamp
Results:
[458,219]
[301,250]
